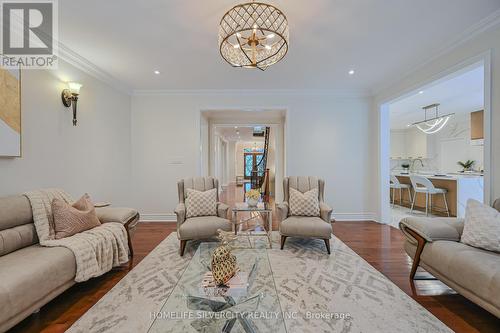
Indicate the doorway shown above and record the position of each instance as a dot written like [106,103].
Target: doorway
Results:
[251,160]
[406,149]
[240,134]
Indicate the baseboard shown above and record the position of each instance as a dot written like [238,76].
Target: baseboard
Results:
[336,216]
[355,217]
[158,218]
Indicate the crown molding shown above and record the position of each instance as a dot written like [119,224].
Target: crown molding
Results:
[341,93]
[88,67]
[68,55]
[488,23]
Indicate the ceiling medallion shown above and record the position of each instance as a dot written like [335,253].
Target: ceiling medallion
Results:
[435,124]
[253,35]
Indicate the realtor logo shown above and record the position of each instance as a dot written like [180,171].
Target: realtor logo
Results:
[29,31]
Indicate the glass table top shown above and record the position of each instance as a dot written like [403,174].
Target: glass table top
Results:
[190,308]
[244,207]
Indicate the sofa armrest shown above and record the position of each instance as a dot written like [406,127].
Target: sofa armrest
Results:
[325,212]
[117,214]
[432,229]
[180,212]
[222,210]
[282,210]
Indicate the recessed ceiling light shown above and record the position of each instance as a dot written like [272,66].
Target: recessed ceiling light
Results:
[421,92]
[157,72]
[236,127]
[351,72]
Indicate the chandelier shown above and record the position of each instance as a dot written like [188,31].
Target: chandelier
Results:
[253,35]
[435,124]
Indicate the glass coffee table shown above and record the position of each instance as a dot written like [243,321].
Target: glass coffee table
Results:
[190,309]
[255,213]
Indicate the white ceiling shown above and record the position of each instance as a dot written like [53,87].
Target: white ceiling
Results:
[463,93]
[380,40]
[238,133]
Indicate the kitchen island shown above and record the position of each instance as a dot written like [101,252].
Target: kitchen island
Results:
[460,187]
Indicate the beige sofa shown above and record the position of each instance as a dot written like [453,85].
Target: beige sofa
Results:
[434,244]
[32,275]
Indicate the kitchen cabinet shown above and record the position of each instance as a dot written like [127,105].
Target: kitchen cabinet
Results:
[417,144]
[398,144]
[476,125]
[410,143]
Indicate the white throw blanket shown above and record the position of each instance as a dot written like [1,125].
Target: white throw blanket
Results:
[96,250]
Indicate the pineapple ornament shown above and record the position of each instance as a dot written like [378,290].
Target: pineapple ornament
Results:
[224,265]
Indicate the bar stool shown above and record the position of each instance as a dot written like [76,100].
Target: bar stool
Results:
[424,185]
[396,185]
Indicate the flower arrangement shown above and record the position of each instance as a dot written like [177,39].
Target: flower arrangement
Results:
[253,197]
[253,194]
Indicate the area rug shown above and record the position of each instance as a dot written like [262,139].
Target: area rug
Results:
[340,292]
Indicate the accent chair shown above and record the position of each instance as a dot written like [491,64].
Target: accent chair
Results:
[200,227]
[305,226]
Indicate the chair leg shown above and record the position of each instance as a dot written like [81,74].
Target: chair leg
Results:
[130,246]
[426,204]
[283,239]
[401,196]
[182,247]
[446,205]
[413,202]
[327,243]
[430,203]
[409,195]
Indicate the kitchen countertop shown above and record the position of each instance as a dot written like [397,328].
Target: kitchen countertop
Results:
[431,175]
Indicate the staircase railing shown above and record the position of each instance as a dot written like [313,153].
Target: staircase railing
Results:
[260,173]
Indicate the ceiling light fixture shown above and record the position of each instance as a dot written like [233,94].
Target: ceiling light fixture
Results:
[157,72]
[351,72]
[253,35]
[433,125]
[421,92]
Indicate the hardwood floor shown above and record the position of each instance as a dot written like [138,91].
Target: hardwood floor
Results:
[64,310]
[380,245]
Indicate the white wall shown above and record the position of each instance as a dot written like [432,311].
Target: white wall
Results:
[231,160]
[92,157]
[326,136]
[487,42]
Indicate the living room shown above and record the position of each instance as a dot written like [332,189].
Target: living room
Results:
[119,182]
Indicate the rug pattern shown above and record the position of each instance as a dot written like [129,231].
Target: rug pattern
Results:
[340,292]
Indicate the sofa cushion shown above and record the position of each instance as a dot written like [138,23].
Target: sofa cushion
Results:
[304,226]
[482,226]
[473,269]
[304,204]
[16,238]
[31,273]
[203,227]
[201,203]
[73,219]
[16,210]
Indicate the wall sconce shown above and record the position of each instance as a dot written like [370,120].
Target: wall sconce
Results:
[70,97]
